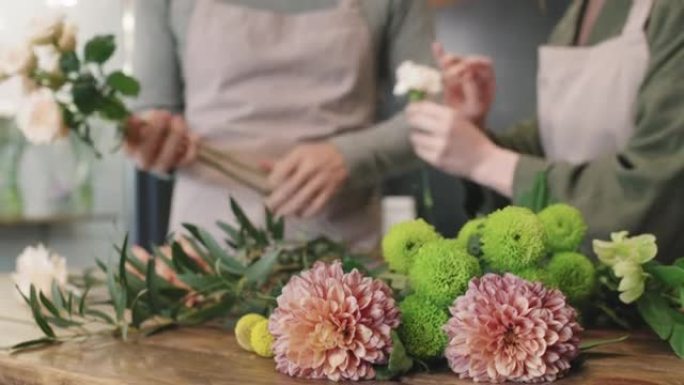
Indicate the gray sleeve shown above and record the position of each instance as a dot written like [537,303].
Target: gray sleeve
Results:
[384,148]
[155,61]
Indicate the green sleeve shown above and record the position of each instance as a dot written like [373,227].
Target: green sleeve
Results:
[156,63]
[640,189]
[522,138]
[384,148]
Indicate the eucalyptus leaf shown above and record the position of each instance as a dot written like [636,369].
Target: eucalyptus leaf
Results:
[229,263]
[152,288]
[100,315]
[100,48]
[246,224]
[33,344]
[211,312]
[62,322]
[182,261]
[123,83]
[48,304]
[38,314]
[591,344]
[69,62]
[57,296]
[82,302]
[655,310]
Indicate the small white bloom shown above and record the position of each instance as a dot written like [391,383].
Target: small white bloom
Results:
[39,267]
[419,78]
[46,29]
[18,60]
[48,59]
[40,118]
[67,40]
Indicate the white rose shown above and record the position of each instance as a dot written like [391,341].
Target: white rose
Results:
[67,40]
[48,59]
[18,60]
[418,78]
[46,29]
[39,267]
[40,118]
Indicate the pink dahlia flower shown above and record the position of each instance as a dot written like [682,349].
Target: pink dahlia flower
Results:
[332,325]
[507,329]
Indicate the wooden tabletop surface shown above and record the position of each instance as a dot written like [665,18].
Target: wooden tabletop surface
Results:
[211,356]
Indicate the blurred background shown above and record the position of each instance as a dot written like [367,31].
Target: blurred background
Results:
[59,195]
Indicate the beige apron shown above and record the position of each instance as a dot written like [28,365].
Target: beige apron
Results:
[587,95]
[257,83]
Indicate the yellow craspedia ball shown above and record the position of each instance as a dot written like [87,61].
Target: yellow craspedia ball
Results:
[243,329]
[262,340]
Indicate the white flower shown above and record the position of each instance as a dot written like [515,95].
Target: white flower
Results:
[40,118]
[18,60]
[46,29]
[417,78]
[39,267]
[626,255]
[67,40]
[48,59]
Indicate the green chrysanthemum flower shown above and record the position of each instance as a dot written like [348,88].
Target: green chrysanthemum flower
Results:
[575,274]
[402,242]
[441,271]
[534,274]
[513,239]
[421,327]
[470,228]
[564,226]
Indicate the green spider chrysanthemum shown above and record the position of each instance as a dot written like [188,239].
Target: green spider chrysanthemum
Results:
[421,327]
[535,274]
[470,228]
[575,275]
[402,242]
[564,226]
[441,271]
[513,239]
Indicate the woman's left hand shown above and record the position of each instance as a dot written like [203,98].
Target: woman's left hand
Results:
[449,141]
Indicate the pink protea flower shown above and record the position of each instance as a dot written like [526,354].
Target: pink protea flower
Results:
[332,325]
[507,329]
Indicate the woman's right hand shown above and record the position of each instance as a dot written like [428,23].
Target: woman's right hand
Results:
[160,142]
[469,83]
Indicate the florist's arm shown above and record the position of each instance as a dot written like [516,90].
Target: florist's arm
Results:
[313,173]
[157,140]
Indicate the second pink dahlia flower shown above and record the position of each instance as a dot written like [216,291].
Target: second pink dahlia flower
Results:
[507,329]
[332,325]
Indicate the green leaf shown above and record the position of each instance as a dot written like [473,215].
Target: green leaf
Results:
[116,294]
[152,288]
[38,314]
[201,283]
[57,296]
[590,344]
[211,312]
[228,262]
[654,309]
[123,258]
[69,62]
[33,344]
[260,270]
[99,49]
[81,303]
[101,315]
[112,108]
[399,361]
[123,83]
[672,276]
[48,304]
[677,340]
[679,263]
[182,261]
[62,322]
[538,197]
[246,224]
[87,97]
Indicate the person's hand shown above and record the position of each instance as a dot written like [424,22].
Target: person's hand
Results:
[306,179]
[446,139]
[160,142]
[469,83]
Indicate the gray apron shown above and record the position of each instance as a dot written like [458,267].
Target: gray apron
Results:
[257,83]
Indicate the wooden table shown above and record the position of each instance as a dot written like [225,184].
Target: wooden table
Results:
[211,356]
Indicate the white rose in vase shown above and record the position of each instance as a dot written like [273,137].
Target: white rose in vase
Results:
[40,118]
[67,40]
[39,267]
[412,77]
[18,60]
[46,29]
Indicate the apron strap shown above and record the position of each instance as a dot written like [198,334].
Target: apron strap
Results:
[638,15]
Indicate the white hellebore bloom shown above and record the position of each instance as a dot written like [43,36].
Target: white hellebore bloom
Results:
[67,40]
[18,60]
[626,256]
[46,29]
[412,77]
[39,267]
[40,118]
